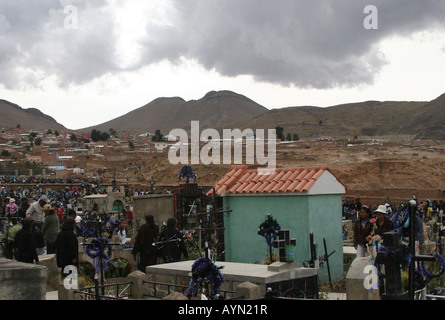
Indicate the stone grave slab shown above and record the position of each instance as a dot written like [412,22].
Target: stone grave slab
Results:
[280,276]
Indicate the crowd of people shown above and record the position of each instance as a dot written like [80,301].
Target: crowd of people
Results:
[50,225]
[369,224]
[46,180]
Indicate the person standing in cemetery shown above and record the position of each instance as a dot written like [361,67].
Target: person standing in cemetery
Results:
[128,214]
[11,209]
[40,240]
[382,224]
[122,234]
[3,209]
[418,232]
[67,246]
[362,229]
[50,228]
[24,205]
[35,211]
[146,237]
[25,244]
[174,245]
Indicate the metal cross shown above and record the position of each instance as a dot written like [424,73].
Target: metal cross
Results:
[282,243]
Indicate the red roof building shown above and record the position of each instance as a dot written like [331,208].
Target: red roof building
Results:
[242,180]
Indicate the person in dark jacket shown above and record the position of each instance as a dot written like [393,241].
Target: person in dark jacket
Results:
[362,229]
[144,243]
[173,243]
[383,224]
[40,240]
[24,205]
[67,246]
[25,244]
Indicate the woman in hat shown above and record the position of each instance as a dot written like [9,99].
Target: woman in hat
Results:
[50,228]
[382,224]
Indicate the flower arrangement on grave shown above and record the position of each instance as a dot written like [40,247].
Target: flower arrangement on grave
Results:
[269,229]
[86,275]
[267,260]
[82,231]
[112,225]
[206,279]
[99,250]
[118,268]
[187,173]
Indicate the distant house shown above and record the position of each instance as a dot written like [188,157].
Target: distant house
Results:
[302,200]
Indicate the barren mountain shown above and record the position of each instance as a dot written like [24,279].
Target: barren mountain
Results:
[215,109]
[429,120]
[226,109]
[370,118]
[12,115]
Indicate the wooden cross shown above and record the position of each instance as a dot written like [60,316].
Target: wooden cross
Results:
[283,242]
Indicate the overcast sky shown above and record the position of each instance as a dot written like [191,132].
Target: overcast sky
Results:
[87,62]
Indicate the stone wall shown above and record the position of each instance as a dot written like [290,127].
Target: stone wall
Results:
[22,281]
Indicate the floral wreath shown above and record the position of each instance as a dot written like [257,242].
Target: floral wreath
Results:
[187,172]
[96,251]
[205,274]
[114,225]
[421,275]
[269,229]
[84,232]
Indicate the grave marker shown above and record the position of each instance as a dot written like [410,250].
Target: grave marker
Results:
[285,246]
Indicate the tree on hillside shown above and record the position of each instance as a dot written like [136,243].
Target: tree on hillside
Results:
[112,132]
[38,141]
[295,137]
[97,135]
[157,136]
[280,132]
[5,153]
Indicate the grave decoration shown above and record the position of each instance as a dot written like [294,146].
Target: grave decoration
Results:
[395,256]
[206,279]
[118,268]
[269,229]
[82,231]
[96,251]
[187,173]
[111,226]
[285,246]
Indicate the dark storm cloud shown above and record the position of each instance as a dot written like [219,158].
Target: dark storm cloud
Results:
[318,44]
[35,42]
[306,43]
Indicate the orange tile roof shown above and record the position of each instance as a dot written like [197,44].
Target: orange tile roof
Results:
[242,180]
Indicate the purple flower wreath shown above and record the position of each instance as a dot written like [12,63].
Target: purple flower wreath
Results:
[269,229]
[96,251]
[205,274]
